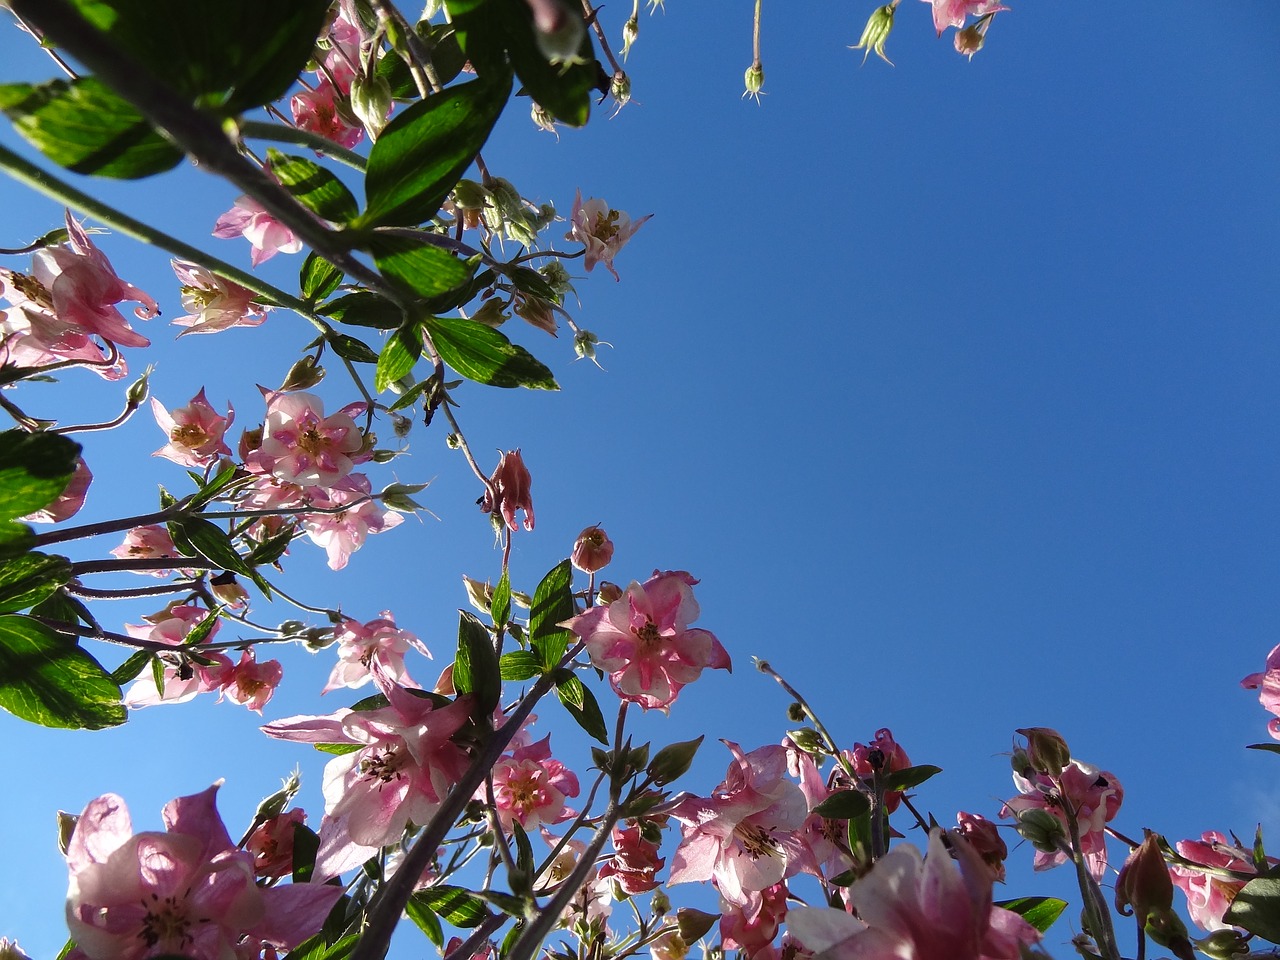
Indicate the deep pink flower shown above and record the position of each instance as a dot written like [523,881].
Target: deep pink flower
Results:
[951,13]
[751,927]
[401,773]
[69,501]
[187,891]
[1267,683]
[984,837]
[195,432]
[343,533]
[635,861]
[602,230]
[250,683]
[592,550]
[746,835]
[151,542]
[271,844]
[1094,795]
[318,111]
[215,303]
[530,787]
[918,909]
[266,235]
[643,640]
[1209,897]
[361,644]
[881,756]
[508,491]
[301,445]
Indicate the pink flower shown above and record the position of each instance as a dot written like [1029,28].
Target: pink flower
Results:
[151,542]
[359,645]
[401,773]
[602,230]
[745,836]
[250,683]
[267,235]
[301,445]
[271,844]
[635,861]
[984,837]
[509,490]
[215,303]
[951,13]
[187,891]
[827,839]
[592,550]
[183,676]
[1267,683]
[195,432]
[69,501]
[529,787]
[643,641]
[1094,796]
[883,755]
[1208,896]
[318,110]
[922,909]
[751,928]
[344,532]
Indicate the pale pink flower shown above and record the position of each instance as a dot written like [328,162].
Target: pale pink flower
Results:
[643,640]
[530,787]
[1209,897]
[183,677]
[343,533]
[746,835]
[186,892]
[593,902]
[401,773]
[318,111]
[361,644]
[914,908]
[508,490]
[195,432]
[602,230]
[750,927]
[69,501]
[301,445]
[881,756]
[635,861]
[1095,797]
[266,235]
[951,13]
[271,844]
[1267,683]
[250,683]
[827,839]
[151,542]
[215,303]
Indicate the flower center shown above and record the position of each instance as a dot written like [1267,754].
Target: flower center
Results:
[165,922]
[385,767]
[756,841]
[312,441]
[32,289]
[648,636]
[189,435]
[606,226]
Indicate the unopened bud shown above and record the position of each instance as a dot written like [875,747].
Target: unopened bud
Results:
[453,441]
[469,195]
[138,390]
[970,40]
[491,313]
[795,712]
[479,595]
[225,587]
[1167,929]
[808,740]
[317,638]
[1224,945]
[592,550]
[303,374]
[620,89]
[754,80]
[559,30]
[660,903]
[1041,829]
[371,102]
[694,924]
[876,32]
[1144,882]
[557,277]
[274,805]
[630,31]
[538,312]
[608,593]
[1047,750]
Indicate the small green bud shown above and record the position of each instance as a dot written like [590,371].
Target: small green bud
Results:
[291,628]
[138,390]
[557,276]
[317,638]
[876,32]
[694,924]
[479,595]
[371,102]
[660,903]
[274,805]
[1224,945]
[303,374]
[620,89]
[1047,750]
[1041,829]
[469,195]
[754,80]
[808,741]
[672,761]
[397,497]
[453,442]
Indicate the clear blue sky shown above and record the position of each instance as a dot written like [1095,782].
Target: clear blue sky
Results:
[955,383]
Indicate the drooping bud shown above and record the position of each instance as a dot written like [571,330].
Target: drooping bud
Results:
[694,924]
[303,374]
[620,89]
[1047,750]
[538,312]
[984,837]
[228,591]
[970,40]
[542,117]
[876,32]
[559,30]
[584,345]
[592,550]
[754,80]
[491,313]
[371,102]
[1144,882]
[469,195]
[1224,945]
[509,491]
[808,740]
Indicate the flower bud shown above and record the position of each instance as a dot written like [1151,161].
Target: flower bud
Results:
[137,391]
[608,593]
[274,805]
[371,102]
[970,40]
[491,313]
[630,31]
[584,344]
[620,89]
[228,591]
[1144,882]
[508,491]
[795,712]
[754,80]
[592,550]
[469,195]
[876,32]
[1167,929]
[317,638]
[694,924]
[453,441]
[542,117]
[1047,751]
[537,312]
[559,30]
[479,595]
[1041,829]
[660,903]
[557,277]
[1224,945]
[984,837]
[808,740]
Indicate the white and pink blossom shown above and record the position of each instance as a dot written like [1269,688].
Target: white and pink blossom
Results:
[602,230]
[214,303]
[1094,797]
[343,532]
[301,445]
[952,13]
[266,235]
[360,644]
[530,787]
[195,432]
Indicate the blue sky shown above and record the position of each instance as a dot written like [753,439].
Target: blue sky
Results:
[953,381]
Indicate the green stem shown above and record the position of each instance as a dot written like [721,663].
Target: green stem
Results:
[279,133]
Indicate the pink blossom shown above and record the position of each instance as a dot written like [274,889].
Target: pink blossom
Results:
[746,835]
[635,861]
[250,683]
[827,839]
[215,303]
[301,445]
[401,773]
[918,908]
[1267,683]
[266,235]
[319,111]
[530,787]
[183,676]
[1208,896]
[361,644]
[881,756]
[187,891]
[592,550]
[508,490]
[271,844]
[343,533]
[602,230]
[643,641]
[195,432]
[69,501]
[151,542]
[751,928]
[984,837]
[951,13]
[1095,797]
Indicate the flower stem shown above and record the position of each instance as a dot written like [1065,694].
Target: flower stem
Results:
[280,133]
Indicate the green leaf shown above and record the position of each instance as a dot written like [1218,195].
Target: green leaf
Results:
[1040,912]
[15,538]
[582,706]
[314,187]
[315,948]
[423,151]
[500,603]
[552,605]
[399,354]
[1257,907]
[85,127]
[422,268]
[215,486]
[910,777]
[132,668]
[318,278]
[349,348]
[476,669]
[425,919]
[46,679]
[201,631]
[842,805]
[1269,747]
[365,310]
[306,844]
[28,579]
[271,549]
[519,665]
[34,469]
[455,905]
[483,354]
[195,536]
